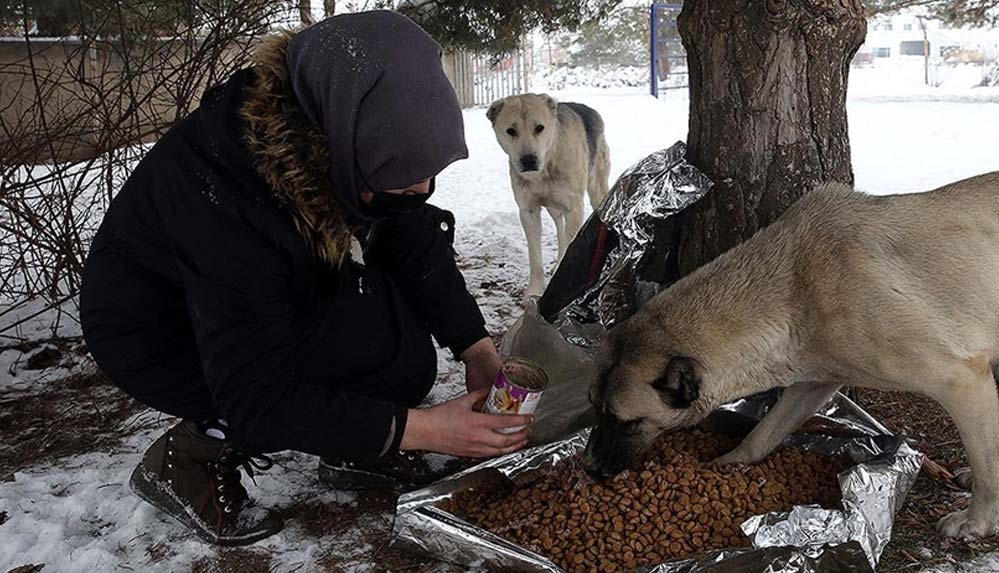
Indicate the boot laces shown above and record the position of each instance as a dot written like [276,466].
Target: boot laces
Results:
[229,490]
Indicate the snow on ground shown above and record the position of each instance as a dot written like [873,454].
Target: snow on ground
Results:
[563,77]
[903,79]
[903,147]
[17,376]
[80,515]
[985,564]
[33,326]
[77,514]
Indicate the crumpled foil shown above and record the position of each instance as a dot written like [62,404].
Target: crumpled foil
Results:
[806,539]
[640,210]
[647,194]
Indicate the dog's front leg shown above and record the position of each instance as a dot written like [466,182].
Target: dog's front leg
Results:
[559,218]
[574,220]
[974,406]
[795,405]
[530,219]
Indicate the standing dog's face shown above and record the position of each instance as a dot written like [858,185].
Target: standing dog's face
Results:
[526,129]
[642,390]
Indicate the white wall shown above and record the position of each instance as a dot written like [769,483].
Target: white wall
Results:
[890,31]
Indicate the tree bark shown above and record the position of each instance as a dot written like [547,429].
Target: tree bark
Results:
[305,12]
[329,8]
[768,122]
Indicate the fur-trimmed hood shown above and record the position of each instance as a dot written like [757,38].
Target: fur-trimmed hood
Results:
[291,154]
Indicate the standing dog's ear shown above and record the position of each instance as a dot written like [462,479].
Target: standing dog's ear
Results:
[494,110]
[680,385]
[552,103]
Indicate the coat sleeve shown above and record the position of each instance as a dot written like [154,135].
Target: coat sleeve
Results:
[417,251]
[237,289]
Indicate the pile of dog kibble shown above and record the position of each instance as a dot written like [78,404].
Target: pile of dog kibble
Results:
[673,508]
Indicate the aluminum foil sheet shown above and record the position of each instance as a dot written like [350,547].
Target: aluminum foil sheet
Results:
[648,193]
[806,539]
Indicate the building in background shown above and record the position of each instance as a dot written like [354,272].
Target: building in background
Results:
[911,33]
[909,48]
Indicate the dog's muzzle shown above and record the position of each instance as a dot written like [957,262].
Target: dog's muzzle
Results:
[601,472]
[528,162]
[599,462]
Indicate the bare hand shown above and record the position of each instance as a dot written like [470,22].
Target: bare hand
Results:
[482,365]
[455,428]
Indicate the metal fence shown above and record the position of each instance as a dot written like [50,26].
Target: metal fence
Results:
[668,58]
[480,79]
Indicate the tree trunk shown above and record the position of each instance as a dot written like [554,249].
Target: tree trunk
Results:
[305,11]
[329,8]
[767,110]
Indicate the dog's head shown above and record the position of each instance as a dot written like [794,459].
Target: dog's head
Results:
[526,128]
[644,387]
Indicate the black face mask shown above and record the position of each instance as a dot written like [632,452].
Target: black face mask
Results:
[390,204]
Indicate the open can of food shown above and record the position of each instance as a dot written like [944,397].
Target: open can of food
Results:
[517,390]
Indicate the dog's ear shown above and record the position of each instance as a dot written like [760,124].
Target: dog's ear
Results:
[494,110]
[552,103]
[680,384]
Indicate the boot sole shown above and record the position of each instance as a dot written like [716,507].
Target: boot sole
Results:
[163,499]
[343,479]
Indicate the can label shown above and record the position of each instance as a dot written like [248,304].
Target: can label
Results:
[517,390]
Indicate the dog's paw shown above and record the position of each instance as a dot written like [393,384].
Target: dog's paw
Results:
[964,479]
[532,293]
[967,524]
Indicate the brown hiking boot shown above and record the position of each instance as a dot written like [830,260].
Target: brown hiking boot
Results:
[195,479]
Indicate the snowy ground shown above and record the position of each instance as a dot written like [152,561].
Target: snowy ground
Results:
[75,514]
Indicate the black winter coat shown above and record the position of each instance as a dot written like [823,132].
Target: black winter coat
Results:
[233,269]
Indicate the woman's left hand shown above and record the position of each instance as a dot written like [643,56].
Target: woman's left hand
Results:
[482,365]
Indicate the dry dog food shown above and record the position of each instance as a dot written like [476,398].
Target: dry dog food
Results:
[674,507]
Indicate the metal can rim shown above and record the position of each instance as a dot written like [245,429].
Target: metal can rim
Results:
[532,365]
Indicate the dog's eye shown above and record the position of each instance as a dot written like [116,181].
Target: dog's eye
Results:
[629,427]
[539,129]
[512,132]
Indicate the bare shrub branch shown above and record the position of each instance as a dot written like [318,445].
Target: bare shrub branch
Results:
[79,110]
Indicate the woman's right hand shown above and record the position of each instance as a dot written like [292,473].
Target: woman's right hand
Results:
[455,428]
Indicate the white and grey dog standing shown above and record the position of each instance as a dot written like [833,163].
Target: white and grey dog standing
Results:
[557,155]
